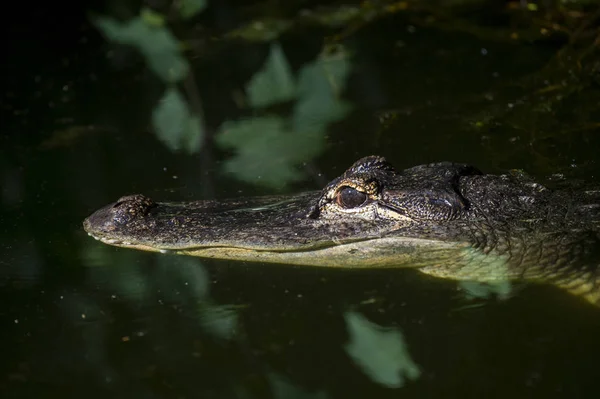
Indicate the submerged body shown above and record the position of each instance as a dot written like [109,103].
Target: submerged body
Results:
[448,220]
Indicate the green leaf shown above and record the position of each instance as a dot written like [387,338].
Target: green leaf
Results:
[380,352]
[274,82]
[269,149]
[156,43]
[189,8]
[175,125]
[267,152]
[319,87]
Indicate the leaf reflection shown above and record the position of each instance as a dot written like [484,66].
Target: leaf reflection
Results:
[268,149]
[380,352]
[177,280]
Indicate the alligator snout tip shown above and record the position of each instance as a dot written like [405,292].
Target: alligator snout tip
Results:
[118,214]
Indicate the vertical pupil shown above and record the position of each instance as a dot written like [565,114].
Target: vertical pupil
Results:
[349,197]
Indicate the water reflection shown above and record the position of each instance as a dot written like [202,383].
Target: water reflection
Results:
[381,353]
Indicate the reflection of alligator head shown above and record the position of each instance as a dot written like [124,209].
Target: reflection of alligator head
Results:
[449,220]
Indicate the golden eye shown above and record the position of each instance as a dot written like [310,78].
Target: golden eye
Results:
[348,197]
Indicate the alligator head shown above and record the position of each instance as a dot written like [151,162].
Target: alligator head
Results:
[447,219]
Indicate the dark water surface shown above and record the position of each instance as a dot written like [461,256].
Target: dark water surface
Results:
[82,319]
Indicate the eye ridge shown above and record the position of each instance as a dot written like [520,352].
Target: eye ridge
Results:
[349,197]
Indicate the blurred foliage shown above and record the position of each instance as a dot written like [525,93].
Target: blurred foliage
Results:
[181,126]
[381,353]
[268,148]
[150,36]
[176,279]
[273,83]
[174,123]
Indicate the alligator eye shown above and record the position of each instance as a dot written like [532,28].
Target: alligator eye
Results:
[348,197]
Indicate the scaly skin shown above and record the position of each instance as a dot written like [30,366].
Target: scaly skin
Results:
[448,220]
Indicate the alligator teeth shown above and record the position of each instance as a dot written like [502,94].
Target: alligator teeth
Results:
[163,251]
[111,241]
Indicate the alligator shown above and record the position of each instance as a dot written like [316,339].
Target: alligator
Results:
[448,220]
